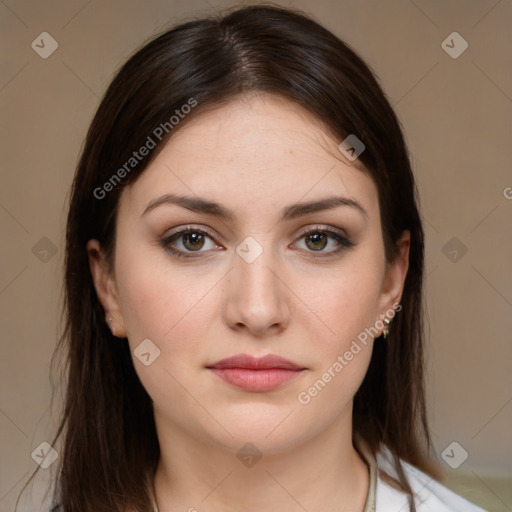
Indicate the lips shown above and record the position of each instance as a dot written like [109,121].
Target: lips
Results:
[256,374]
[252,363]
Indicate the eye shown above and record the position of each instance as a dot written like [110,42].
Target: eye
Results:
[188,241]
[316,240]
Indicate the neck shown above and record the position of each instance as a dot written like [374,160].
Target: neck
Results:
[324,472]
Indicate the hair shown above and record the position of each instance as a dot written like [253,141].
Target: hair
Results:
[110,448]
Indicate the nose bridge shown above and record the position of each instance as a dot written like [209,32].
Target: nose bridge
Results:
[256,296]
[254,267]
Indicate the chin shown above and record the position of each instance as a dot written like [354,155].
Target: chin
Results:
[268,433]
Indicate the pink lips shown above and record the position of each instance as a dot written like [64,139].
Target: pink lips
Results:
[256,374]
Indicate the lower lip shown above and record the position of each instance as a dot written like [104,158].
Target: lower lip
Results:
[256,380]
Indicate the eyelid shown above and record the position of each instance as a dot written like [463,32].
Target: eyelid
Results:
[190,227]
[323,227]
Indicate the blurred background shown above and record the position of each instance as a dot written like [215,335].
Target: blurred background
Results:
[445,67]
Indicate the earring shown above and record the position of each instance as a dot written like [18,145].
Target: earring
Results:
[109,320]
[385,331]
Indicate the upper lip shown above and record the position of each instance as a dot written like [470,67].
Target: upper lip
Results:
[256,363]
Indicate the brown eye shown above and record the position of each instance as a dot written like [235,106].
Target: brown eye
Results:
[317,241]
[188,241]
[193,240]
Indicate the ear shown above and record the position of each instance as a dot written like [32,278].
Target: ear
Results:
[105,288]
[396,272]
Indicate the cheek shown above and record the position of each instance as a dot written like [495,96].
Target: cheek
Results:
[330,392]
[344,304]
[343,346]
[172,307]
[154,292]
[171,311]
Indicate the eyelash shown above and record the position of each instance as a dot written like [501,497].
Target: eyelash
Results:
[343,241]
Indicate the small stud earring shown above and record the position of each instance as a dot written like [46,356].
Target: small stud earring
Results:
[385,331]
[109,320]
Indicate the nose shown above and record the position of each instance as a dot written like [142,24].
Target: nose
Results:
[257,299]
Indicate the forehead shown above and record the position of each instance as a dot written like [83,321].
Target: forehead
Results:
[260,150]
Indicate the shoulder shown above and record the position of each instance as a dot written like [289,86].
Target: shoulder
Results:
[430,495]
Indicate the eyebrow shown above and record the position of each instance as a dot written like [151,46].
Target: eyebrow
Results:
[293,211]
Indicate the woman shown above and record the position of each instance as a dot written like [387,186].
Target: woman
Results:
[244,284]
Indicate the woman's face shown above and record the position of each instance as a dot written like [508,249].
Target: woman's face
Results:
[252,283]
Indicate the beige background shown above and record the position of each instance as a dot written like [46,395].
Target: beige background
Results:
[457,115]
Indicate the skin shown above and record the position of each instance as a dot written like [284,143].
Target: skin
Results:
[255,155]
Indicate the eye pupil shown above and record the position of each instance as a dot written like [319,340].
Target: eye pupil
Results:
[317,237]
[195,238]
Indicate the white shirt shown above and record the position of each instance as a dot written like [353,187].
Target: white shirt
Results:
[429,495]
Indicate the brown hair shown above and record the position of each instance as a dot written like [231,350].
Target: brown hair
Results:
[110,449]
